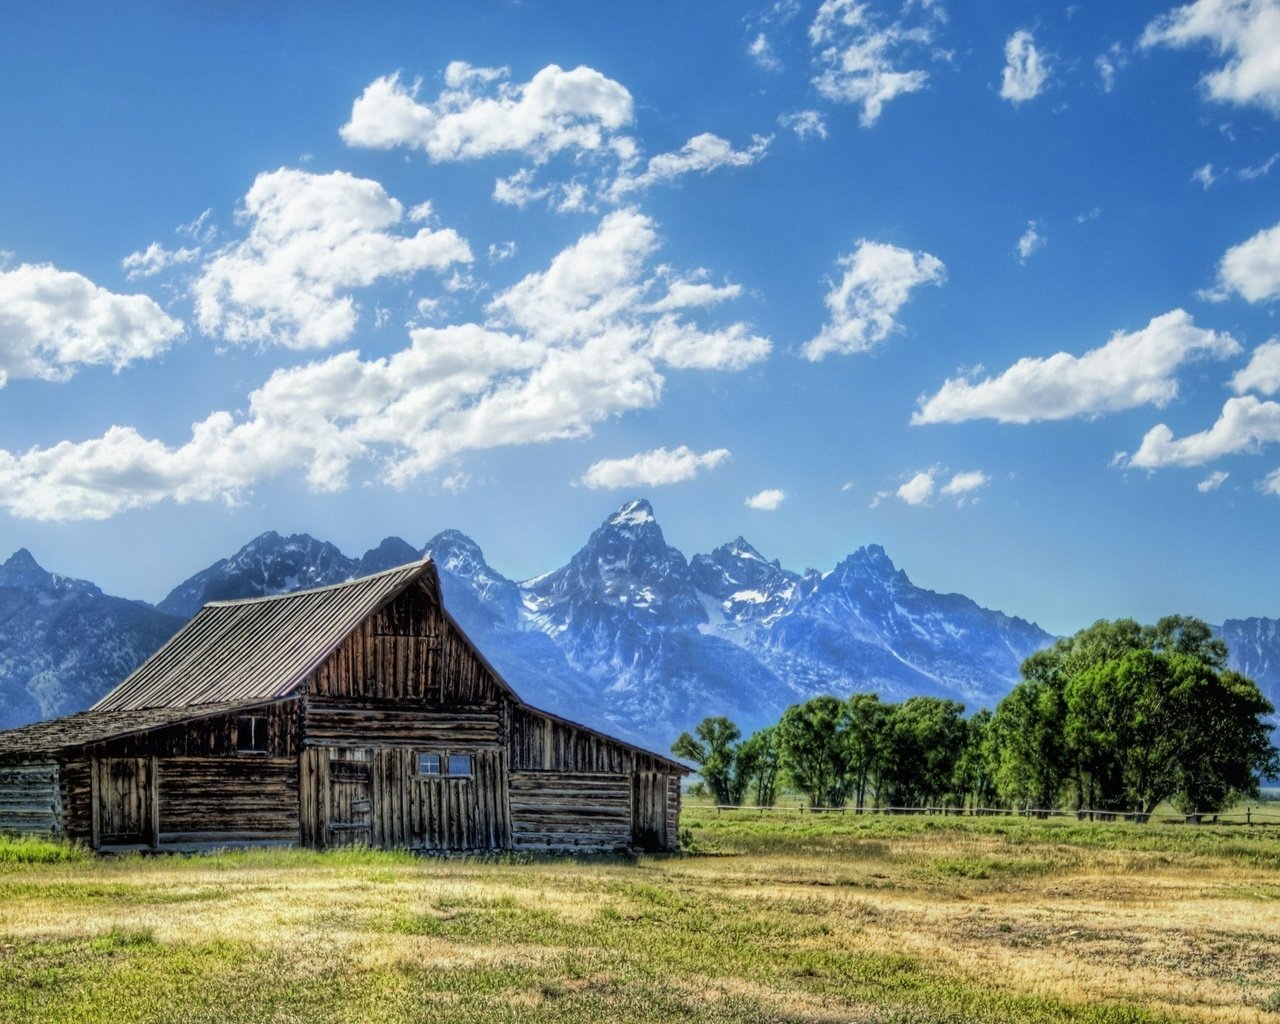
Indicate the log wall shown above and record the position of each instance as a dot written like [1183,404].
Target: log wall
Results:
[570,810]
[30,798]
[216,801]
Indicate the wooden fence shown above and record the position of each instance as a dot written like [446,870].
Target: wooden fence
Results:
[1246,816]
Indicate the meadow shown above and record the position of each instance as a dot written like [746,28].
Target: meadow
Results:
[784,918]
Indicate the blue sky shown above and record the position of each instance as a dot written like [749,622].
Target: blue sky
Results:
[991,284]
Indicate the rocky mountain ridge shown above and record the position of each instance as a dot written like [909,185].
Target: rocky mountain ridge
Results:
[628,635]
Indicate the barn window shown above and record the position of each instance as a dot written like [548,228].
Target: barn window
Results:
[460,765]
[429,764]
[251,734]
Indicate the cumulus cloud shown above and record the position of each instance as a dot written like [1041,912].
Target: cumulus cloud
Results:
[804,123]
[863,60]
[558,352]
[52,321]
[1212,482]
[1244,32]
[767,500]
[155,259]
[1251,269]
[480,113]
[1025,69]
[1204,176]
[919,489]
[700,155]
[1133,368]
[966,483]
[1270,484]
[311,239]
[579,114]
[1244,425]
[1030,242]
[877,281]
[1263,372]
[652,468]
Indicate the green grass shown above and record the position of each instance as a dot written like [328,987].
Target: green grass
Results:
[804,918]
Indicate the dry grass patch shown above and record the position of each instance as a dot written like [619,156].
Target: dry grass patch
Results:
[783,921]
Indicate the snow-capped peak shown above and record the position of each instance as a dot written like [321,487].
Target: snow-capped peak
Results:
[633,513]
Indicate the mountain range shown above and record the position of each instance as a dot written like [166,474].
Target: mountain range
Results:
[629,635]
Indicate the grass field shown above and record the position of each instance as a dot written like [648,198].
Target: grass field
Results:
[789,918]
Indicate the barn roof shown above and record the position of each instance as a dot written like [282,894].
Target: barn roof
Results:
[259,648]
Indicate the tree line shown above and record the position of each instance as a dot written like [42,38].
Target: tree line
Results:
[1119,717]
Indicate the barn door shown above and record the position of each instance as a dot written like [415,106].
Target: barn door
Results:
[350,816]
[124,801]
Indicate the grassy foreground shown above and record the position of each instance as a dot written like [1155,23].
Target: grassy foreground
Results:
[799,918]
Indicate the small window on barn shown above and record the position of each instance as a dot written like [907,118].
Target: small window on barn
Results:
[460,765]
[251,734]
[429,764]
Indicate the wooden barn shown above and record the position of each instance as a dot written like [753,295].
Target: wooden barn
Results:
[357,713]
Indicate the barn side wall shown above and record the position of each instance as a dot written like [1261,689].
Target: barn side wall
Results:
[574,788]
[30,798]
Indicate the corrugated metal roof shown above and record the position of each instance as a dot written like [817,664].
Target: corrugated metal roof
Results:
[256,649]
[86,727]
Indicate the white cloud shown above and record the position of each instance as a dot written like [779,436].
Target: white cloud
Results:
[876,283]
[201,230]
[500,252]
[861,60]
[481,114]
[1245,32]
[1212,482]
[652,468]
[1256,171]
[456,483]
[1030,242]
[52,321]
[804,123]
[154,259]
[919,489]
[1204,176]
[559,351]
[761,51]
[312,238]
[966,483]
[1245,425]
[1270,484]
[1109,64]
[767,500]
[1263,372]
[1132,369]
[700,155]
[1251,269]
[579,115]
[1026,71]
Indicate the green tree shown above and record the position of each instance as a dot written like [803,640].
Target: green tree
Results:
[1127,715]
[865,721]
[714,749]
[926,737]
[811,740]
[975,770]
[1026,736]
[758,762]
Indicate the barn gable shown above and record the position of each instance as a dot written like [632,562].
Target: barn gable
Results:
[357,713]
